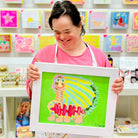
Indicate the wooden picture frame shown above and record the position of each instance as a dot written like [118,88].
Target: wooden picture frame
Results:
[84,91]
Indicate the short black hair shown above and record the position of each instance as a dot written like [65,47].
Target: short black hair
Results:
[65,7]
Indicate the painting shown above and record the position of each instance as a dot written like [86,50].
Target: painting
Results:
[102,1]
[45,40]
[98,20]
[43,1]
[135,20]
[14,1]
[47,15]
[5,43]
[119,20]
[31,19]
[9,18]
[24,43]
[84,18]
[92,39]
[132,42]
[130,1]
[113,43]
[73,101]
[77,1]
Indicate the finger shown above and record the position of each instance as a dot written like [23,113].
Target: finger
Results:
[32,67]
[37,60]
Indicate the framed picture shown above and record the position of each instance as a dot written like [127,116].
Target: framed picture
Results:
[74,99]
[31,19]
[119,20]
[113,43]
[135,20]
[98,19]
[9,18]
[130,1]
[92,39]
[102,1]
[132,42]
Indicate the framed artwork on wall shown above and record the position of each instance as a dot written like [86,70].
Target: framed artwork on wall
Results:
[119,20]
[98,19]
[102,1]
[132,42]
[113,43]
[74,101]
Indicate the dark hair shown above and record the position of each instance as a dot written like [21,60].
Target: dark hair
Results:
[66,8]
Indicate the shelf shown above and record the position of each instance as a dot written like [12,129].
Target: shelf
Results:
[13,92]
[129,92]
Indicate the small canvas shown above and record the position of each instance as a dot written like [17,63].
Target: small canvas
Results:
[102,1]
[113,43]
[5,43]
[47,15]
[98,20]
[24,43]
[13,1]
[77,1]
[130,1]
[91,39]
[135,20]
[84,18]
[45,40]
[132,42]
[43,1]
[9,18]
[31,19]
[119,20]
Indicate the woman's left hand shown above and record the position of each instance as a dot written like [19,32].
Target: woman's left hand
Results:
[117,86]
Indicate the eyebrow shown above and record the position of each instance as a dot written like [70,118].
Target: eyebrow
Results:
[64,30]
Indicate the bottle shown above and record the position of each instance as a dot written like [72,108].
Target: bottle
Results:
[110,60]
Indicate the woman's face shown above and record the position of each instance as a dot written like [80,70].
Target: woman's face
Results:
[67,34]
[24,107]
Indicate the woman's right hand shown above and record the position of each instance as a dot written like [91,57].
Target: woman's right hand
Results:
[32,73]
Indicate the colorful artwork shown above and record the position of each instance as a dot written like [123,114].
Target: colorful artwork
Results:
[24,43]
[45,40]
[135,20]
[132,43]
[77,1]
[9,18]
[47,15]
[119,20]
[5,43]
[130,1]
[102,1]
[98,20]
[91,39]
[31,19]
[43,1]
[83,15]
[23,119]
[14,1]
[69,98]
[113,43]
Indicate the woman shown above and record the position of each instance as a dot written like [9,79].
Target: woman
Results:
[66,23]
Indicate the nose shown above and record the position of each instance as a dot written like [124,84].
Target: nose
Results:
[62,37]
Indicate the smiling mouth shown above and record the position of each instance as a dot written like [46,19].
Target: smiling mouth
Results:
[65,41]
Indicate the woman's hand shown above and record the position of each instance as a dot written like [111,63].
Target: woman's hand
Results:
[117,86]
[32,74]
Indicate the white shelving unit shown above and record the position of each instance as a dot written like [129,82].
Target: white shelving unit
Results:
[21,92]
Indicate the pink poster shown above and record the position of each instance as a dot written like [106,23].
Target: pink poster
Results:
[135,20]
[9,18]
